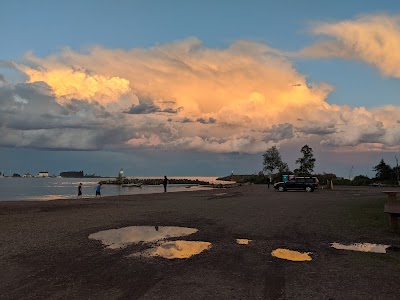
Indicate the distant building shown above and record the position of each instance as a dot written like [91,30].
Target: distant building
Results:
[43,174]
[27,175]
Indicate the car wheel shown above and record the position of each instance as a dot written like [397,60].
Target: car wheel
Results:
[309,189]
[281,189]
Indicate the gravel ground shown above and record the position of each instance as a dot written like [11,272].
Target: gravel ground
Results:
[45,252]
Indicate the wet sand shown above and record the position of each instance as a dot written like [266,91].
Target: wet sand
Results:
[45,252]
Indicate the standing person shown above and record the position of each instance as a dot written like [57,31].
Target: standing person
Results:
[98,189]
[80,190]
[165,182]
[268,181]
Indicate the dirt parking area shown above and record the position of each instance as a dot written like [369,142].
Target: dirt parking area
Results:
[45,252]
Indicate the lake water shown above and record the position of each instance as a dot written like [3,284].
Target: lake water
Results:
[65,188]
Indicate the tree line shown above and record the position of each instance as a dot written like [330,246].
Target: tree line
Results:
[275,168]
[272,162]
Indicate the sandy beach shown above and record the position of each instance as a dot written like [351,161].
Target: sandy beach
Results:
[46,253]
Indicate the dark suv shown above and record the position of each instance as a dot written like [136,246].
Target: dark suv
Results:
[308,184]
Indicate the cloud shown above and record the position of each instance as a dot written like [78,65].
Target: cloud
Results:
[279,132]
[374,39]
[147,108]
[182,95]
[204,121]
[68,83]
[30,116]
[317,129]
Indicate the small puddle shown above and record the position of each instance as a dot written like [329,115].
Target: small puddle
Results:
[362,247]
[291,255]
[220,194]
[176,249]
[122,237]
[243,241]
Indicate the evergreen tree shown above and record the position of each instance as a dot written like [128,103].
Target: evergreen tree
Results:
[306,162]
[383,171]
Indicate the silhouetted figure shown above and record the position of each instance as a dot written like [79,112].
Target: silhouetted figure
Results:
[268,181]
[165,182]
[98,189]
[156,227]
[80,190]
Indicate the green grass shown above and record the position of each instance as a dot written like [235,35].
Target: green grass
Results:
[369,214]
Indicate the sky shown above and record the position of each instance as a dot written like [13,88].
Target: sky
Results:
[198,88]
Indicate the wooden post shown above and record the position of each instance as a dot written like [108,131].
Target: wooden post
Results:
[394,221]
[393,209]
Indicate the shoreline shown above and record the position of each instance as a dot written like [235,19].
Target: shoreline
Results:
[47,253]
[56,188]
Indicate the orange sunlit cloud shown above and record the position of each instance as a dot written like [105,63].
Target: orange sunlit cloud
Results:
[234,99]
[68,84]
[374,39]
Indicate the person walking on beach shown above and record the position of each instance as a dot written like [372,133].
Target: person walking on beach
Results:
[98,189]
[165,182]
[80,190]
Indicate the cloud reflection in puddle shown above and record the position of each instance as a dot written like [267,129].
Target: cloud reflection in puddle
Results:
[176,249]
[122,237]
[291,255]
[243,241]
[362,247]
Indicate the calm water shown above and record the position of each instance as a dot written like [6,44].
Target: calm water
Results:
[64,188]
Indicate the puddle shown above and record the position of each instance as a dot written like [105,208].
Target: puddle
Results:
[363,247]
[243,241]
[122,237]
[220,194]
[291,255]
[176,249]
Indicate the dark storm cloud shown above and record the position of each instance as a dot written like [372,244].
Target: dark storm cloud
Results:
[372,136]
[279,132]
[30,116]
[205,121]
[170,110]
[149,108]
[317,129]
[143,108]
[186,120]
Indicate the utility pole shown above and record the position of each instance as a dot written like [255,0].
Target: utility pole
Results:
[397,169]
[350,172]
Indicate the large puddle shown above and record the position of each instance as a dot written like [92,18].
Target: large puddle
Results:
[176,249]
[122,237]
[291,255]
[363,247]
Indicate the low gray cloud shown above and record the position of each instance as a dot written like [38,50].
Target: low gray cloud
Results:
[279,132]
[187,120]
[7,64]
[206,121]
[31,117]
[317,129]
[2,78]
[149,108]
